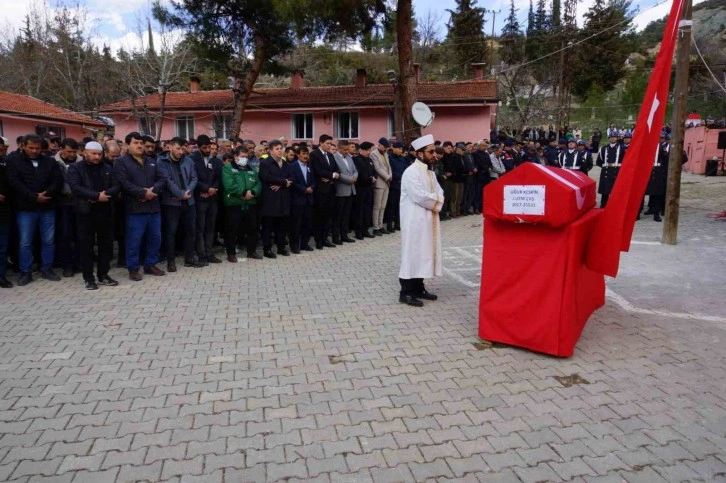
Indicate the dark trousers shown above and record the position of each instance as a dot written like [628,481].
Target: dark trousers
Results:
[411,286]
[363,210]
[119,232]
[341,218]
[604,200]
[240,222]
[301,226]
[656,204]
[322,216]
[393,207]
[479,195]
[4,242]
[206,220]
[66,238]
[468,200]
[173,216]
[276,224]
[96,226]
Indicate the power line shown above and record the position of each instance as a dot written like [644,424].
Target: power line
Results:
[693,40]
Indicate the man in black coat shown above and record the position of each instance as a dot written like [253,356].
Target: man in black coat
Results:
[609,159]
[658,182]
[276,179]
[363,201]
[5,214]
[37,181]
[482,164]
[94,189]
[325,171]
[209,180]
[301,202]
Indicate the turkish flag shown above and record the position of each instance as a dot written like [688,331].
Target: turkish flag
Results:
[615,227]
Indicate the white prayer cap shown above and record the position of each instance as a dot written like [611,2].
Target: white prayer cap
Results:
[4,140]
[93,146]
[423,141]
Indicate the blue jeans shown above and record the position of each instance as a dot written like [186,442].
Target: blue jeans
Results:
[28,221]
[4,238]
[146,226]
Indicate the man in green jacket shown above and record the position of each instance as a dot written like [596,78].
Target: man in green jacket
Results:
[242,189]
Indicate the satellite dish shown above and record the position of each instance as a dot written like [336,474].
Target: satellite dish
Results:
[422,114]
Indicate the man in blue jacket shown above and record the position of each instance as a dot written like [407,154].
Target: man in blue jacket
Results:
[177,203]
[141,183]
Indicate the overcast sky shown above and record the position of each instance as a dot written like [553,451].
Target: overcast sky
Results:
[116,21]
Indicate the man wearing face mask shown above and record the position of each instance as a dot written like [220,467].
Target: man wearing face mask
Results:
[242,189]
[206,196]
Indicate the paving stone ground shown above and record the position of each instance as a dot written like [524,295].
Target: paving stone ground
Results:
[308,369]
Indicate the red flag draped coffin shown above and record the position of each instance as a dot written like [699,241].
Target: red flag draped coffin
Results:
[536,291]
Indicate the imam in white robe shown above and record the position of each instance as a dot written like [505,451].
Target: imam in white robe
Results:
[421,201]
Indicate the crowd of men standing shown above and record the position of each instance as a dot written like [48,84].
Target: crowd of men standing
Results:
[63,203]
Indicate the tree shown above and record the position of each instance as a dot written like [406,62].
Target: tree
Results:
[512,39]
[245,37]
[156,70]
[406,87]
[466,34]
[601,57]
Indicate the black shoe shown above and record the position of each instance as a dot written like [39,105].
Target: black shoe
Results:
[135,276]
[656,217]
[154,270]
[327,243]
[5,283]
[348,240]
[385,232]
[91,285]
[50,275]
[296,251]
[232,258]
[170,267]
[254,256]
[193,264]
[283,252]
[319,246]
[377,233]
[107,281]
[68,273]
[337,241]
[205,263]
[368,235]
[390,228]
[25,279]
[214,259]
[307,248]
[410,300]
[359,237]
[427,296]
[270,254]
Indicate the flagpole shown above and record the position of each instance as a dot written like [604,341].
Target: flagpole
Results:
[680,92]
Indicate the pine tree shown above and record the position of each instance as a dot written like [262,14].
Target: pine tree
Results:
[512,39]
[466,34]
[556,16]
[601,59]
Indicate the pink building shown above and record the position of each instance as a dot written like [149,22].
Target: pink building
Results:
[361,112]
[21,115]
[701,144]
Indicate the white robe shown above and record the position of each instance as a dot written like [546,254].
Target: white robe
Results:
[421,201]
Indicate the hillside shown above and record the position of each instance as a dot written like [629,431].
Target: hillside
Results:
[709,21]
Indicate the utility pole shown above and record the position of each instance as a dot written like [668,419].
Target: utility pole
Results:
[494,18]
[680,91]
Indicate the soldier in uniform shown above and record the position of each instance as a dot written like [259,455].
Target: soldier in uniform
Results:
[609,159]
[574,158]
[656,190]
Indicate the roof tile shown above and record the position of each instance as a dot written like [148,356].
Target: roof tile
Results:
[30,106]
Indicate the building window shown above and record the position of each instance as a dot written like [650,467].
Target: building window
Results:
[50,131]
[302,126]
[185,127]
[391,124]
[147,126]
[346,126]
[222,126]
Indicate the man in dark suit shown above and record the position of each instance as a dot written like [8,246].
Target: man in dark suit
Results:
[301,203]
[325,171]
[276,178]
[363,202]
[209,179]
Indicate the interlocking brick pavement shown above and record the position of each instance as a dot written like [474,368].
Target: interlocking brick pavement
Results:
[308,369]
